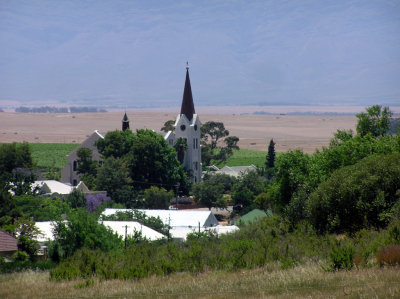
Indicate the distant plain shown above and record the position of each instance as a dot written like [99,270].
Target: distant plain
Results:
[255,131]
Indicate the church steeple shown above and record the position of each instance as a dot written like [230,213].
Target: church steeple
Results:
[125,122]
[187,107]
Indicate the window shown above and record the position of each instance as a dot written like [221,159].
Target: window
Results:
[75,183]
[183,127]
[74,167]
[194,142]
[195,127]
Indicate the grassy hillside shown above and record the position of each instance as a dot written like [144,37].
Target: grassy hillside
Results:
[48,155]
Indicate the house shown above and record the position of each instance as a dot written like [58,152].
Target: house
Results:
[187,126]
[130,227]
[69,173]
[8,244]
[183,222]
[46,229]
[176,218]
[253,216]
[235,171]
[181,233]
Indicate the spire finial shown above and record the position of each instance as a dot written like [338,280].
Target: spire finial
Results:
[187,65]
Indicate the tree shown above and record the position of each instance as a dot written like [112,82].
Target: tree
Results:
[357,196]
[270,161]
[114,176]
[87,167]
[13,157]
[84,230]
[181,147]
[76,199]
[146,156]
[116,144]
[153,162]
[210,195]
[247,187]
[168,126]
[293,169]
[226,180]
[211,135]
[27,234]
[376,120]
[157,198]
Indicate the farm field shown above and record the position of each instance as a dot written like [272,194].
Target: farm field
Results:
[51,155]
[267,282]
[254,131]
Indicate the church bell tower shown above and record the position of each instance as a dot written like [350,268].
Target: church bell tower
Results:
[187,126]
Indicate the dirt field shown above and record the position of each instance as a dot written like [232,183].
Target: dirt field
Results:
[254,131]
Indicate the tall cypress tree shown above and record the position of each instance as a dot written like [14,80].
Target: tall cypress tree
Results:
[270,161]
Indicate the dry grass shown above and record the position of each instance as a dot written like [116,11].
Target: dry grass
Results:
[269,282]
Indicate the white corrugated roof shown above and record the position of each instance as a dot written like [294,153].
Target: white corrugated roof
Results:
[119,228]
[54,186]
[181,233]
[176,218]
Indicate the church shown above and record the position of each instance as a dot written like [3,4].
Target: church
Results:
[187,126]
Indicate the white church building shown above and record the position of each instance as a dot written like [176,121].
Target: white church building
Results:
[187,126]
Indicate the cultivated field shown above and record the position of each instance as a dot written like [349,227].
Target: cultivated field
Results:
[308,281]
[254,131]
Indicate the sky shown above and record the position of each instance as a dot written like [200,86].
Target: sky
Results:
[133,53]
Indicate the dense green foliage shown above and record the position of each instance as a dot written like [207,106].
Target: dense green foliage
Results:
[157,198]
[375,121]
[361,195]
[269,240]
[83,230]
[137,162]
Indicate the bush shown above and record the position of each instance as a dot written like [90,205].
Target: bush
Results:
[389,255]
[341,257]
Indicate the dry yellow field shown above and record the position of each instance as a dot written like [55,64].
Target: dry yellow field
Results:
[254,131]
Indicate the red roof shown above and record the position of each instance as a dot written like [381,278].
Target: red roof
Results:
[7,242]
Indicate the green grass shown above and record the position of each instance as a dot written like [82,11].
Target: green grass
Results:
[245,157]
[54,155]
[47,155]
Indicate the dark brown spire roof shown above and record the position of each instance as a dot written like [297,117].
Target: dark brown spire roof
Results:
[187,107]
[125,122]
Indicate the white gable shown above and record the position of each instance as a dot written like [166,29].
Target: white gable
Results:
[52,186]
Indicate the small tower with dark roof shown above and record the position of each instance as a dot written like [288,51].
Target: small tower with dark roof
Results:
[187,126]
[187,107]
[125,122]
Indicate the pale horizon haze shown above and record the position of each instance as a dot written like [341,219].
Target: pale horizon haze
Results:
[133,54]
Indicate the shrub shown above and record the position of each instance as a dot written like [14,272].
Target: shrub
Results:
[341,257]
[389,255]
